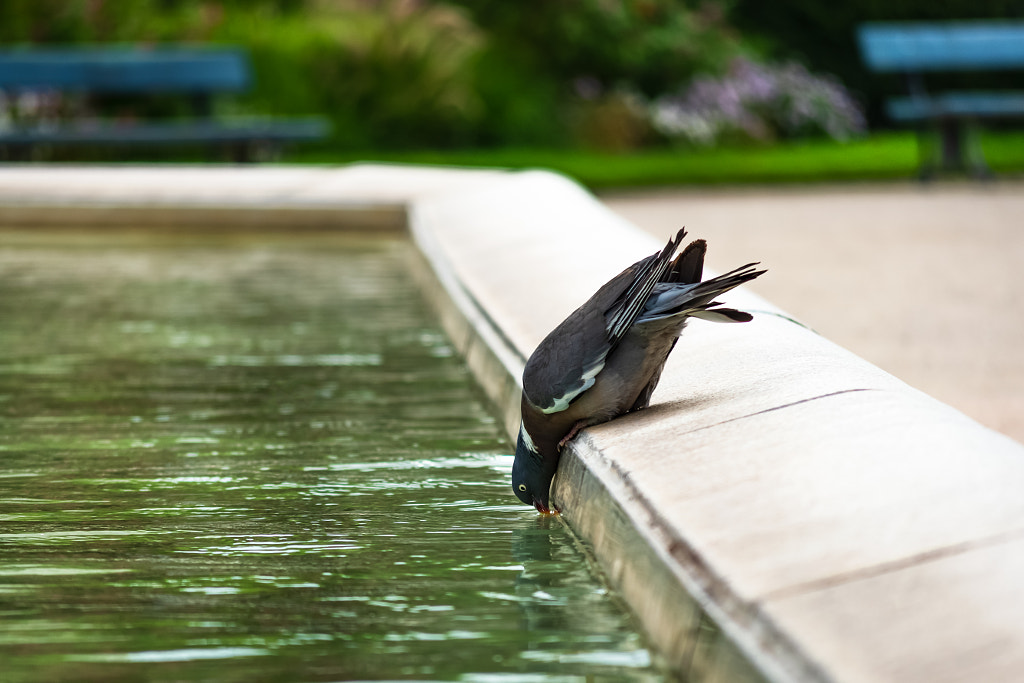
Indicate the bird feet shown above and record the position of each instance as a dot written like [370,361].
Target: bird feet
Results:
[572,432]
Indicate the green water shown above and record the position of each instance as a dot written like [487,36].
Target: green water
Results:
[249,460]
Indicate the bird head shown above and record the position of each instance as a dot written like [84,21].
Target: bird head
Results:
[531,477]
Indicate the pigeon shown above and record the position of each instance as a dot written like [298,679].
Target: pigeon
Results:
[606,358]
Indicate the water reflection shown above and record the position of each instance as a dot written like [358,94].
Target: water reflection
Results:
[263,463]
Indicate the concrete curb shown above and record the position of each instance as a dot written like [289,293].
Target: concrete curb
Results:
[833,522]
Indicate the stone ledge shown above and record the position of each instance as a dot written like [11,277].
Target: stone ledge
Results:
[833,522]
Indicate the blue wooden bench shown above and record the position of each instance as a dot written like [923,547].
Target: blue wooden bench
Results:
[912,49]
[195,74]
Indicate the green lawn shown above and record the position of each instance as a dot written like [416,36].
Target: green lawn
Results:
[882,156]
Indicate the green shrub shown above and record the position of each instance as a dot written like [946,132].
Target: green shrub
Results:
[389,76]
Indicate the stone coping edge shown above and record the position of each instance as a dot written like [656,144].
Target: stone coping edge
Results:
[204,216]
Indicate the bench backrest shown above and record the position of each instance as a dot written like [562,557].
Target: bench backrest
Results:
[954,46]
[125,69]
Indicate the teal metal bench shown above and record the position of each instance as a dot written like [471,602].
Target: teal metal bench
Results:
[196,74]
[912,49]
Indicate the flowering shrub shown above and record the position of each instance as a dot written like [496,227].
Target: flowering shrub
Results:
[760,102]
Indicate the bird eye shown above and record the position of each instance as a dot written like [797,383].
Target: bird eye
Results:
[522,487]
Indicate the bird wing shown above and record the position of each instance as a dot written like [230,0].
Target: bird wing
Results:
[568,360]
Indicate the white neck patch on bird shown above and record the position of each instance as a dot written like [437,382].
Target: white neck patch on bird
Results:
[527,441]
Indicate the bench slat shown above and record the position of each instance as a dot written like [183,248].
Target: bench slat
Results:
[985,105]
[960,46]
[125,69]
[195,72]
[170,132]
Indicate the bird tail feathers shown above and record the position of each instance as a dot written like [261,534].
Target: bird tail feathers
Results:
[688,267]
[673,298]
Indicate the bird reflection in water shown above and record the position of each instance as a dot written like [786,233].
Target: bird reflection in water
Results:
[559,599]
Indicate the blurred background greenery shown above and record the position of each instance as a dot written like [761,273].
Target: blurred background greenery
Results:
[570,84]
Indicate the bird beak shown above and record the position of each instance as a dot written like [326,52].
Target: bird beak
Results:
[544,509]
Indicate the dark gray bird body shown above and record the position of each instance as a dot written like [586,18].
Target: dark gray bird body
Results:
[606,358]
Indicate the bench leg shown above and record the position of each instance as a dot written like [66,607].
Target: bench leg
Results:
[959,150]
[951,145]
[16,153]
[928,153]
[973,154]
[253,151]
[951,139]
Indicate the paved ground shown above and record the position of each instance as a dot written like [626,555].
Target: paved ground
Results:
[926,282]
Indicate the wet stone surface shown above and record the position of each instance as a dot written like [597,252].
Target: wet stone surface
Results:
[242,459]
